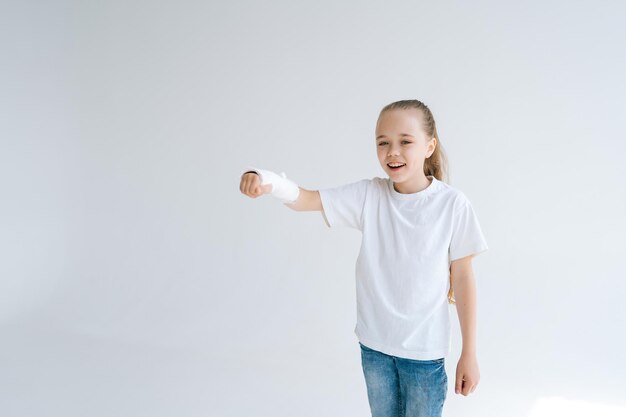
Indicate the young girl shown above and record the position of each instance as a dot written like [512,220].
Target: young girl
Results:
[419,235]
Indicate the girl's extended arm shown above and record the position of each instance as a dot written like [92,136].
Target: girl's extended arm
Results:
[308,200]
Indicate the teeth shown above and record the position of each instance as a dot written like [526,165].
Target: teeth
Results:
[396,165]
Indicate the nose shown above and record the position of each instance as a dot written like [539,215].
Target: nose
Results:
[393,150]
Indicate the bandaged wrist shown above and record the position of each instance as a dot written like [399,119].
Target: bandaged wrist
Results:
[282,188]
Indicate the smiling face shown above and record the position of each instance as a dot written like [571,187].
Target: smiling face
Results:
[401,138]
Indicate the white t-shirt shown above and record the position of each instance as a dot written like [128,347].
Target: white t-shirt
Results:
[403,267]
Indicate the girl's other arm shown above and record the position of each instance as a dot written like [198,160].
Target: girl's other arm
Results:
[464,286]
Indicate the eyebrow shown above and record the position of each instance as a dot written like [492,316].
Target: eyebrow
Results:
[401,134]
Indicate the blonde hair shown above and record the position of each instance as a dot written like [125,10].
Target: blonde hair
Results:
[437,163]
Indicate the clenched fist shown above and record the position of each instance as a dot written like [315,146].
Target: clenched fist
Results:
[251,185]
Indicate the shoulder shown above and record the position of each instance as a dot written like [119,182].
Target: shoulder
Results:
[453,195]
[379,185]
[352,185]
[373,182]
[365,183]
[378,182]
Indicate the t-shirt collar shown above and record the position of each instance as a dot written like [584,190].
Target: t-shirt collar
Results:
[434,185]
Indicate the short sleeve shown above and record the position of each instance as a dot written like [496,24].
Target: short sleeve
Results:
[467,236]
[343,205]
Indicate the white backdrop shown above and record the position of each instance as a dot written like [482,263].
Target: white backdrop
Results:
[136,280]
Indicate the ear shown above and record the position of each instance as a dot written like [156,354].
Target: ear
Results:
[432,144]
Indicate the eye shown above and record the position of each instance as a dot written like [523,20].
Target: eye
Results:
[384,143]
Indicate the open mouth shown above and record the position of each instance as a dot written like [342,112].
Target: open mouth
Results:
[396,168]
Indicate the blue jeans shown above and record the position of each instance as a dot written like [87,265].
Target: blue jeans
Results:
[402,387]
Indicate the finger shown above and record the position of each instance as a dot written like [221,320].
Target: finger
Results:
[466,388]
[252,187]
[255,186]
[253,191]
[459,386]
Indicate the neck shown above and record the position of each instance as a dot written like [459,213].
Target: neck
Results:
[412,185]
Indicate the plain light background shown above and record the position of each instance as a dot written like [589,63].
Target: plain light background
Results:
[136,280]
